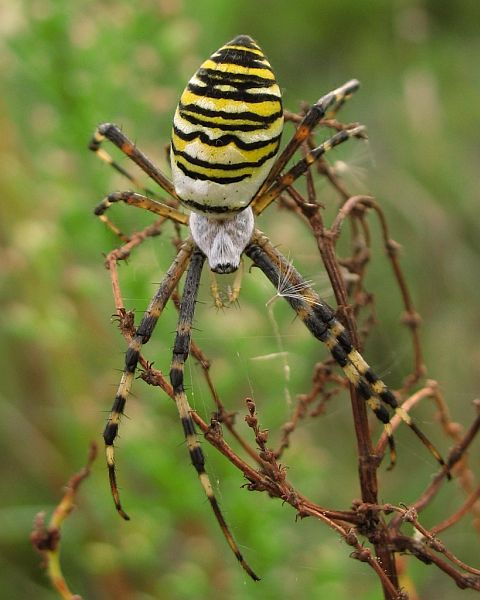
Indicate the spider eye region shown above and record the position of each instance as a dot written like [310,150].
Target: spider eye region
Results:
[222,240]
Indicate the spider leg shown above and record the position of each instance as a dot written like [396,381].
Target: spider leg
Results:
[283,181]
[142,335]
[114,134]
[331,102]
[215,292]
[140,201]
[180,355]
[234,290]
[320,319]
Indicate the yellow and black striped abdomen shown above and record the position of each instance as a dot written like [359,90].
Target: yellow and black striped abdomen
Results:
[226,130]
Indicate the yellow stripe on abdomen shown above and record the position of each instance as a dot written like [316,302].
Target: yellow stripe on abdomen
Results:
[226,130]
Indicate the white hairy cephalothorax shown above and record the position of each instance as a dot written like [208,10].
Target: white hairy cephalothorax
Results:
[222,240]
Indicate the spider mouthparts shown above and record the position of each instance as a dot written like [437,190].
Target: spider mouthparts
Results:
[224,268]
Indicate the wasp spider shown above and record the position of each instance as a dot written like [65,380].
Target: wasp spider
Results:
[225,138]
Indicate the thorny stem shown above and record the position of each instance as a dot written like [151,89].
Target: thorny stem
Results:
[411,318]
[46,539]
[368,462]
[276,485]
[461,512]
[456,454]
[367,517]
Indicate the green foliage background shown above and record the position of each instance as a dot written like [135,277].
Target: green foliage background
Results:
[67,66]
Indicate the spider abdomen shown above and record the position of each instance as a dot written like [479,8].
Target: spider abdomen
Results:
[226,130]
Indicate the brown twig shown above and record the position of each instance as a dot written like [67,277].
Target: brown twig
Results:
[46,539]
[322,377]
[461,512]
[411,318]
[368,462]
[427,556]
[366,519]
[453,458]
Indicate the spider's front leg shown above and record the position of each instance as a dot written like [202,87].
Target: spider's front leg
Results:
[149,199]
[142,335]
[282,182]
[113,133]
[139,201]
[329,104]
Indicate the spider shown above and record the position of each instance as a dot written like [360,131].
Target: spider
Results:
[224,144]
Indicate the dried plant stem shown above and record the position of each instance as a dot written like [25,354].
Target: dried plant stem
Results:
[46,539]
[367,518]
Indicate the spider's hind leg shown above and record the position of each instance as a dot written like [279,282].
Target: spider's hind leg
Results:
[180,355]
[321,321]
[132,356]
